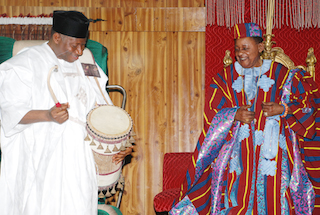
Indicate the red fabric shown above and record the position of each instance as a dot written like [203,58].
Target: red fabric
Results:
[163,201]
[174,170]
[175,165]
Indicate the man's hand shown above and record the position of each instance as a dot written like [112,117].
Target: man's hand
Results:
[59,114]
[55,114]
[120,156]
[243,115]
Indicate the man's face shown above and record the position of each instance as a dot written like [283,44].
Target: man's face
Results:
[247,52]
[70,48]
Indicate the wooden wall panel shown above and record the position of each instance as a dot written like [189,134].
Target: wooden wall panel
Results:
[190,74]
[95,13]
[105,3]
[172,92]
[114,19]
[155,110]
[158,3]
[194,19]
[145,19]
[128,18]
[159,19]
[156,52]
[163,73]
[132,65]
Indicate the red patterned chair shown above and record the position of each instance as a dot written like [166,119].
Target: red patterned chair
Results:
[175,166]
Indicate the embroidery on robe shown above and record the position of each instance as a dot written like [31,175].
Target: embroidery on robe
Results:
[268,167]
[266,83]
[82,96]
[271,137]
[258,137]
[282,142]
[237,84]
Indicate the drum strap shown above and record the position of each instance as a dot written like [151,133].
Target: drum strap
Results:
[54,68]
[95,78]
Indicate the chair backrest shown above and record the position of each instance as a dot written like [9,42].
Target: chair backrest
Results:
[175,166]
[18,45]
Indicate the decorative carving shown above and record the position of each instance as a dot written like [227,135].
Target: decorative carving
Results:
[227,60]
[281,57]
[267,53]
[311,60]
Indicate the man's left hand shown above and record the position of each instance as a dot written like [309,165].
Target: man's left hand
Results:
[121,155]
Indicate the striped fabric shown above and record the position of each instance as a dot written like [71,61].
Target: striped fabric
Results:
[250,190]
[247,30]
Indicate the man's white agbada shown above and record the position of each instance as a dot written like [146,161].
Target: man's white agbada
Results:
[47,168]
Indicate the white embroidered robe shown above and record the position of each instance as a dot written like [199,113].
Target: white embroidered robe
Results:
[46,167]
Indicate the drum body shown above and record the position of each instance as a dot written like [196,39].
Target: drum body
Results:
[109,128]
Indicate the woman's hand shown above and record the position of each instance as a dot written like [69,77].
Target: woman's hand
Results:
[117,158]
[244,115]
[271,109]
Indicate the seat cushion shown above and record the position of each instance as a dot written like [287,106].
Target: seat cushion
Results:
[163,201]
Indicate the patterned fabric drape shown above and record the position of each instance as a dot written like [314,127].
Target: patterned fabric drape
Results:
[26,27]
[26,32]
[298,14]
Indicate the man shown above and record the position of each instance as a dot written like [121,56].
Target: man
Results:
[46,167]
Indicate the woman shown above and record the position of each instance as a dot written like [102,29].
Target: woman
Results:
[252,142]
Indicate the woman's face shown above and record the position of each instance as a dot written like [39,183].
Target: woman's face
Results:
[247,52]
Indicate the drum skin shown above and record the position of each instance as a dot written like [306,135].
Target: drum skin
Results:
[109,124]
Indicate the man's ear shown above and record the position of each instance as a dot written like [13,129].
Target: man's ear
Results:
[56,37]
[261,47]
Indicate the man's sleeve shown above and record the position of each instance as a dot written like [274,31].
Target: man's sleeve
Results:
[15,98]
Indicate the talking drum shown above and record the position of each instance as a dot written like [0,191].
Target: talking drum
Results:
[109,127]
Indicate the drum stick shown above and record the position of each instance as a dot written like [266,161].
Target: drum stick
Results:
[55,69]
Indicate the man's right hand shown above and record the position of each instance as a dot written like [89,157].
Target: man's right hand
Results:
[55,114]
[59,114]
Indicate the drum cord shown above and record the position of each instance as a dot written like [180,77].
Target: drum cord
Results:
[95,78]
[54,68]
